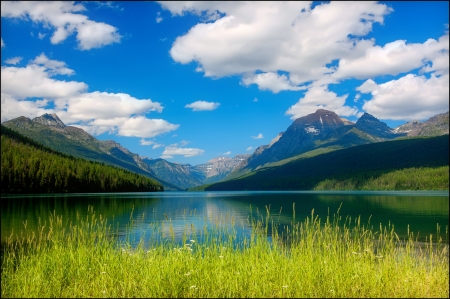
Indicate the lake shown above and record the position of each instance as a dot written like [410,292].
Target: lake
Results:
[177,211]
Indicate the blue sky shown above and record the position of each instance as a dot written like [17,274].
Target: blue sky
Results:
[190,81]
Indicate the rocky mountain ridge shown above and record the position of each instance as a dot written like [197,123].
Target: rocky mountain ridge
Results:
[436,125]
[327,131]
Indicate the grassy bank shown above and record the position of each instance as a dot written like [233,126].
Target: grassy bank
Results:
[335,257]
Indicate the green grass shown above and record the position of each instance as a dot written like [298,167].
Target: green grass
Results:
[335,257]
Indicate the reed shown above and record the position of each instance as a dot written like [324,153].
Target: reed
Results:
[334,257]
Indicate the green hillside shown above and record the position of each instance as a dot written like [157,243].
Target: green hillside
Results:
[30,167]
[405,164]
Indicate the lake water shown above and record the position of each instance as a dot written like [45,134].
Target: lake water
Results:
[421,211]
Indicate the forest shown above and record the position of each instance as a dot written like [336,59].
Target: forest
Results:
[30,167]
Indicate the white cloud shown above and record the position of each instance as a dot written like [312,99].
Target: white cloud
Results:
[269,37]
[181,143]
[3,43]
[255,100]
[319,97]
[53,66]
[394,58]
[357,96]
[410,97]
[35,81]
[259,136]
[158,17]
[41,35]
[14,60]
[202,105]
[249,148]
[227,153]
[146,142]
[270,81]
[103,105]
[65,19]
[138,126]
[95,112]
[12,107]
[150,142]
[186,152]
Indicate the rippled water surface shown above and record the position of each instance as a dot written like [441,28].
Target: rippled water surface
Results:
[423,212]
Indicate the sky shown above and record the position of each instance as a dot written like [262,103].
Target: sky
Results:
[191,81]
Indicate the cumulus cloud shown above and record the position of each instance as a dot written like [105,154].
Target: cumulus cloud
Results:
[103,105]
[394,58]
[29,91]
[53,67]
[14,60]
[11,107]
[259,136]
[249,148]
[270,81]
[407,98]
[35,81]
[202,105]
[319,97]
[249,37]
[65,19]
[186,152]
[150,142]
[138,126]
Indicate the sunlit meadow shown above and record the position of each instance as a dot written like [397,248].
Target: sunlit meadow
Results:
[334,257]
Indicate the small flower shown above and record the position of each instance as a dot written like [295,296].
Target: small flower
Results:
[193,287]
[192,241]
[221,256]
[379,256]
[187,274]
[285,287]
[103,292]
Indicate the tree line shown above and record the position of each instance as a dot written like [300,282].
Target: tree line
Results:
[30,167]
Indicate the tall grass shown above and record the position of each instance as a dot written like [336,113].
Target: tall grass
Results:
[337,257]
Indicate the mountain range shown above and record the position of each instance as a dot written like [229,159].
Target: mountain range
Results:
[324,131]
[314,134]
[50,131]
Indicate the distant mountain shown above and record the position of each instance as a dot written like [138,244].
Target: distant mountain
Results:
[320,130]
[49,130]
[218,168]
[186,176]
[435,126]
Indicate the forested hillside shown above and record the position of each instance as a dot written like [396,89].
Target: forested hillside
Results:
[30,167]
[405,164]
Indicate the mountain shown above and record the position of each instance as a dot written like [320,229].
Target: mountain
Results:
[405,163]
[218,168]
[320,131]
[434,126]
[50,131]
[186,176]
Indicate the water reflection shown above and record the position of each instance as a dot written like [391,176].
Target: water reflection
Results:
[178,213]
